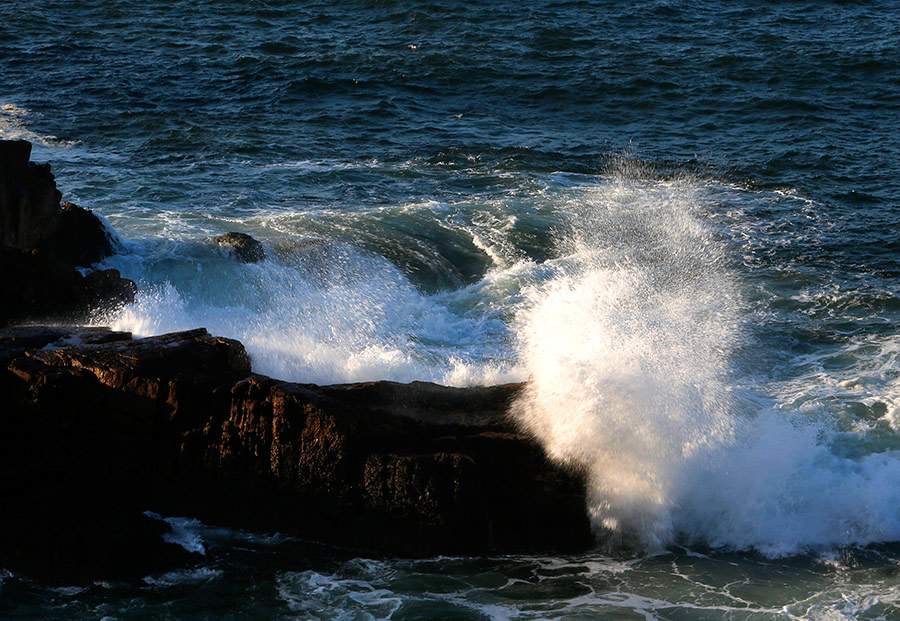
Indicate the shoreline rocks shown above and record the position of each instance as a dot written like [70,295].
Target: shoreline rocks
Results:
[43,243]
[37,286]
[33,218]
[179,425]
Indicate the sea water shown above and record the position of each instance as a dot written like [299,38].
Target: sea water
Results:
[677,224]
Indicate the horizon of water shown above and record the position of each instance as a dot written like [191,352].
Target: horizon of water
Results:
[678,225]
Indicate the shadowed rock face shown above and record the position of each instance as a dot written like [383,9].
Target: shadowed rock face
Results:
[29,200]
[36,285]
[177,424]
[85,240]
[41,244]
[32,217]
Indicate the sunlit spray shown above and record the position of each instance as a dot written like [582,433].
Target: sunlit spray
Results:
[627,349]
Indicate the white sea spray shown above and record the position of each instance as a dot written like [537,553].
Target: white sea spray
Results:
[627,350]
[630,353]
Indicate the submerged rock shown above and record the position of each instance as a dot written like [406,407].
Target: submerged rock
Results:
[178,424]
[245,248]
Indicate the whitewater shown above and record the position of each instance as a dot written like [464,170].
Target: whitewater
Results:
[632,339]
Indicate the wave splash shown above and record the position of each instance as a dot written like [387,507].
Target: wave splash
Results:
[627,349]
[314,312]
[631,352]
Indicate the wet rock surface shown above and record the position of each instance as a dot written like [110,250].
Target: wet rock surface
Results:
[242,246]
[179,425]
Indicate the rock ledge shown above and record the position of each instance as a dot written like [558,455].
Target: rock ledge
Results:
[100,426]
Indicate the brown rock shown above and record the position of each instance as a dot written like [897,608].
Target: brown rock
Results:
[177,424]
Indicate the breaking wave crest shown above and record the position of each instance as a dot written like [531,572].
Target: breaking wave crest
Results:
[315,312]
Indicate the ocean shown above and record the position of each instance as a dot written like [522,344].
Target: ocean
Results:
[677,222]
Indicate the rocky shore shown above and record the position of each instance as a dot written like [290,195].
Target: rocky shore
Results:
[45,245]
[100,428]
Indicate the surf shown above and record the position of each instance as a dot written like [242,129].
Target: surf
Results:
[636,350]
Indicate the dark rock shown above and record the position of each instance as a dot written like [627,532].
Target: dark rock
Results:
[177,424]
[99,539]
[14,156]
[16,341]
[42,243]
[29,200]
[242,246]
[36,285]
[86,240]
[31,216]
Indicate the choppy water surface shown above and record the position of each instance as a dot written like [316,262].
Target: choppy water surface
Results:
[261,577]
[678,224]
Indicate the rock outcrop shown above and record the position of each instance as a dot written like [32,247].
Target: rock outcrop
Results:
[85,240]
[242,246]
[98,428]
[178,424]
[36,285]
[29,200]
[42,245]
[32,217]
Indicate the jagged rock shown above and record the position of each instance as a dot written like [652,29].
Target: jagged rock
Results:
[178,425]
[36,285]
[29,200]
[86,240]
[244,247]
[42,242]
[31,216]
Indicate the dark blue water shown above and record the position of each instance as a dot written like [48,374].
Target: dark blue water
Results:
[679,223]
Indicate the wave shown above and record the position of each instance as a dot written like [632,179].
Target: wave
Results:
[631,351]
[659,358]
[317,311]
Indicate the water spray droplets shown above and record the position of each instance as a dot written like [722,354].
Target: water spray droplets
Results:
[627,349]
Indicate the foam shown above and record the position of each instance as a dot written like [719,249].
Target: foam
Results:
[330,315]
[183,577]
[184,532]
[14,126]
[630,353]
[627,346]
